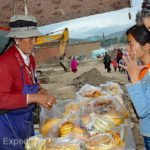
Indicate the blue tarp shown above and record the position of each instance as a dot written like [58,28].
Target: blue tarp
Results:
[97,52]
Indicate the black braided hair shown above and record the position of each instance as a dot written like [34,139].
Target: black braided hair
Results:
[9,43]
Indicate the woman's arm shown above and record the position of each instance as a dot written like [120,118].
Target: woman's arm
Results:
[9,100]
[140,98]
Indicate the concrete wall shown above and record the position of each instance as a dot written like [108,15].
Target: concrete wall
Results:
[83,49]
[43,54]
[117,46]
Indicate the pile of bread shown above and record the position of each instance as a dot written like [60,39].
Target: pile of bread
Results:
[95,119]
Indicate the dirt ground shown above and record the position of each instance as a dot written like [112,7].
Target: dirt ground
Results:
[60,83]
[63,85]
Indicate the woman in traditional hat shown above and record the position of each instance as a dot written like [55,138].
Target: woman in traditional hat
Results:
[19,90]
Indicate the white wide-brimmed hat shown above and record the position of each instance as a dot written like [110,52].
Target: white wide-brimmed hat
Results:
[23,26]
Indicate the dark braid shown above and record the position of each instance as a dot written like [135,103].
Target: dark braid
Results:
[10,41]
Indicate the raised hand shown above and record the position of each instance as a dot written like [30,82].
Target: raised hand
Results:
[132,67]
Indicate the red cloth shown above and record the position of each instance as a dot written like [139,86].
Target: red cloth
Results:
[74,65]
[4,29]
[74,70]
[11,83]
[114,62]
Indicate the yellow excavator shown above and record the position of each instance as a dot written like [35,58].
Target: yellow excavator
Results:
[64,37]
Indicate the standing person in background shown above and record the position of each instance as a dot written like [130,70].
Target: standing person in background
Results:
[114,62]
[107,62]
[121,62]
[119,56]
[74,65]
[139,88]
[69,63]
[19,91]
[104,60]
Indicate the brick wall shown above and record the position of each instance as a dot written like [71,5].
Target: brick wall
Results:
[42,55]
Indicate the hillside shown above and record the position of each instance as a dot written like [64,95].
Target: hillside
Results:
[118,35]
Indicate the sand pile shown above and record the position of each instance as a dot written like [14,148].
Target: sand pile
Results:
[92,77]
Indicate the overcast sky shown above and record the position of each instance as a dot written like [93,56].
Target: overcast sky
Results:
[97,24]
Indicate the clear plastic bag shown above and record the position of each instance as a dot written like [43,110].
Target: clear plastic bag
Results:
[127,137]
[102,103]
[119,99]
[74,106]
[104,141]
[48,118]
[89,91]
[112,88]
[37,143]
[90,118]
[121,139]
[67,131]
[104,122]
[68,146]
[56,132]
[108,102]
[61,104]
[101,114]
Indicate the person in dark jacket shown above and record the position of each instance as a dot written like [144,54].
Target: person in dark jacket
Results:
[107,62]
[119,56]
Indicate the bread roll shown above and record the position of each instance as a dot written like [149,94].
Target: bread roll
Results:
[72,106]
[80,133]
[65,129]
[77,130]
[46,127]
[85,120]
[102,125]
[108,141]
[96,94]
[115,117]
[107,103]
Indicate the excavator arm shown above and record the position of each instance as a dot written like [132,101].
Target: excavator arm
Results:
[64,37]
[63,42]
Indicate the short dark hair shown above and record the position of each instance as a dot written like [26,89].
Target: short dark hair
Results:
[140,33]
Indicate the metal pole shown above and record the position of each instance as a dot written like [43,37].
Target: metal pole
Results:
[25,7]
[14,8]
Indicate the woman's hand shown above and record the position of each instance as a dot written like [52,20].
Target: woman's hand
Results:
[44,100]
[132,67]
[41,90]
